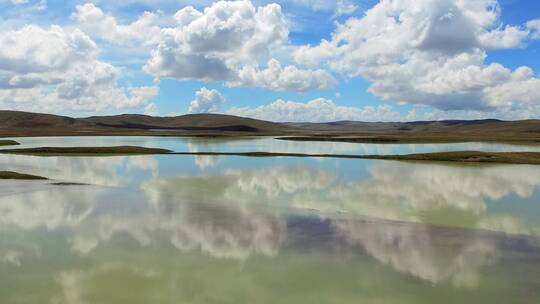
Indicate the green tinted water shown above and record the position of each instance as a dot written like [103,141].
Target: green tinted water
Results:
[178,229]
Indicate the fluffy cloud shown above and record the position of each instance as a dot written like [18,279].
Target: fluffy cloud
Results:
[326,110]
[534,26]
[95,22]
[507,38]
[54,69]
[206,101]
[231,42]
[317,110]
[430,52]
[277,77]
[36,50]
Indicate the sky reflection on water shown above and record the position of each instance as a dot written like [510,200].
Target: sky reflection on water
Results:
[265,144]
[280,230]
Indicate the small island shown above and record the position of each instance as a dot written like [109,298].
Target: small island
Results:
[528,158]
[19,176]
[86,151]
[8,143]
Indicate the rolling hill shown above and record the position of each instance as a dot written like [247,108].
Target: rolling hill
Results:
[13,123]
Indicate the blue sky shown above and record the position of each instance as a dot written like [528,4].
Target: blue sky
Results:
[299,60]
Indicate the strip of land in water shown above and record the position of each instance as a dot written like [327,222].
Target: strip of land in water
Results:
[406,139]
[532,158]
[86,151]
[69,184]
[19,176]
[8,143]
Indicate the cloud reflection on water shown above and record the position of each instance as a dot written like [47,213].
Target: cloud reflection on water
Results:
[238,214]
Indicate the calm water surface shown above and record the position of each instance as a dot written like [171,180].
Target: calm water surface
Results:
[182,229]
[265,144]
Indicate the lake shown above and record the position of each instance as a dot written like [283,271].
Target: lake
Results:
[265,144]
[228,229]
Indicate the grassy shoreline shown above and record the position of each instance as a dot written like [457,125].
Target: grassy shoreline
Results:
[302,137]
[407,140]
[530,158]
[86,151]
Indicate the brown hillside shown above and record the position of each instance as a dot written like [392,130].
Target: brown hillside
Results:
[14,123]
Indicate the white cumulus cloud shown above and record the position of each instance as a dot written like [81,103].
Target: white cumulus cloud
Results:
[56,69]
[206,101]
[429,52]
[504,38]
[317,110]
[534,26]
[96,23]
[231,42]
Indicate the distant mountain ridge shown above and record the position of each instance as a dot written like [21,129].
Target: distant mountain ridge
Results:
[14,123]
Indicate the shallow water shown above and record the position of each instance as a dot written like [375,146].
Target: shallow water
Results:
[265,144]
[184,229]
